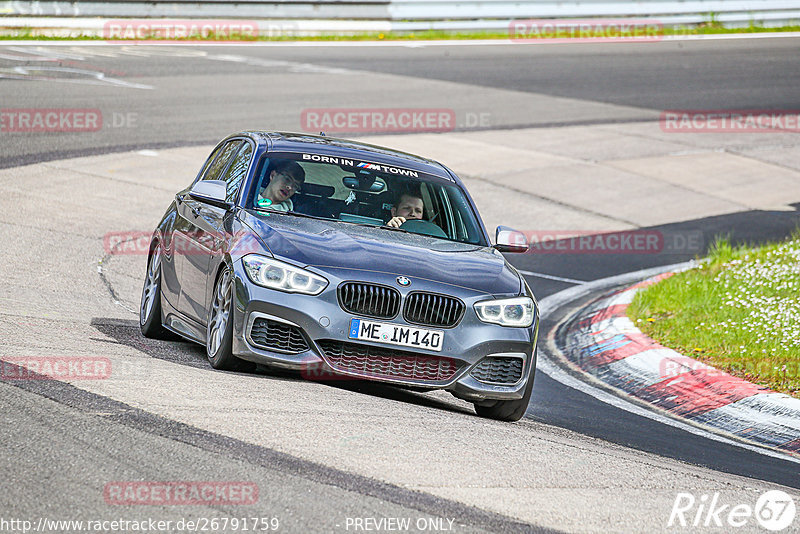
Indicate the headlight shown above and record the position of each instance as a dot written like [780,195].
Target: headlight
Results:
[517,311]
[278,275]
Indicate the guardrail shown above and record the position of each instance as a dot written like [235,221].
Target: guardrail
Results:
[411,15]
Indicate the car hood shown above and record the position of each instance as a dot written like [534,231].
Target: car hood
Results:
[321,243]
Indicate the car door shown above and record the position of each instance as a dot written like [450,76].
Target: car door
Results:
[174,243]
[195,240]
[208,236]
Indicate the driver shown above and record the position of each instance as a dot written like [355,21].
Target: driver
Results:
[285,179]
[408,205]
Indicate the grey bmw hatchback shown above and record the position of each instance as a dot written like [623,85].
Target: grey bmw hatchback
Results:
[341,259]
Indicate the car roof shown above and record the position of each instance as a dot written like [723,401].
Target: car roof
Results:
[333,146]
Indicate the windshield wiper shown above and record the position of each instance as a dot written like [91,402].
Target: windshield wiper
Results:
[306,215]
[393,228]
[293,213]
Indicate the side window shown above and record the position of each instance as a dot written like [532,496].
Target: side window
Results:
[216,168]
[210,160]
[445,217]
[464,224]
[433,211]
[237,171]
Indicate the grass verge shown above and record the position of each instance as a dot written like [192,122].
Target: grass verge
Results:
[739,312]
[35,34]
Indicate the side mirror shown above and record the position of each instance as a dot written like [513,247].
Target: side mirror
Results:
[211,192]
[510,240]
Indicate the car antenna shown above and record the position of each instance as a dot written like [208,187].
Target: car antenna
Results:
[322,134]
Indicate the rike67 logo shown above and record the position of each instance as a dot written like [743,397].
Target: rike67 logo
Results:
[774,510]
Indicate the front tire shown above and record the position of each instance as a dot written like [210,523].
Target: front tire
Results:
[219,333]
[150,305]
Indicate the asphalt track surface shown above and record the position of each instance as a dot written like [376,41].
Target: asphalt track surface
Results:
[164,97]
[244,87]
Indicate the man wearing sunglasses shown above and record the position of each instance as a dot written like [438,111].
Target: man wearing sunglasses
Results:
[286,177]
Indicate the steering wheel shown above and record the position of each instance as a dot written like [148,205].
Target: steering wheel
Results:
[423,227]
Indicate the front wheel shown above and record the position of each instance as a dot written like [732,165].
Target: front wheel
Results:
[508,410]
[219,334]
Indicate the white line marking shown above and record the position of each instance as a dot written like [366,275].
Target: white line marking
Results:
[92,77]
[552,277]
[551,369]
[292,66]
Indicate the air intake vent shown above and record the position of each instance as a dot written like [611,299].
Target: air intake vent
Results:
[369,299]
[379,362]
[277,336]
[432,309]
[498,370]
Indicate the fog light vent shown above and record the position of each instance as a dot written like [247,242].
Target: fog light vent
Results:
[498,370]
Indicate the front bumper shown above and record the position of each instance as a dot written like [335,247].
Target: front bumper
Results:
[322,322]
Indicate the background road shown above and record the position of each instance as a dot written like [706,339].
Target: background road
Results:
[358,450]
[198,95]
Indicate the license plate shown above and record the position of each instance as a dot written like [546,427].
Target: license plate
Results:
[397,334]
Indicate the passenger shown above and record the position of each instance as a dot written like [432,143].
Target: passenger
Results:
[408,205]
[286,177]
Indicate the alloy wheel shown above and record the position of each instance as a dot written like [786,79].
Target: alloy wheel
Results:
[220,311]
[150,291]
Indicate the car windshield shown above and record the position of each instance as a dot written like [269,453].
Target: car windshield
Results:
[360,192]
